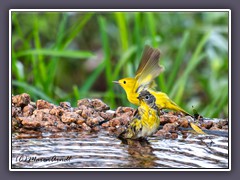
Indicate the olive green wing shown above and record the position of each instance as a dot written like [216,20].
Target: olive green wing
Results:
[149,67]
[144,59]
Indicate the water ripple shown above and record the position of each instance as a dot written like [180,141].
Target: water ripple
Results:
[104,151]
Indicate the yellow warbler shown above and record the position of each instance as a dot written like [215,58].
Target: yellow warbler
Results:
[147,71]
[164,102]
[146,119]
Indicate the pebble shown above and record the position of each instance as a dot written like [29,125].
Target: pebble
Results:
[57,111]
[69,117]
[65,105]
[80,120]
[170,127]
[98,105]
[90,115]
[21,100]
[87,112]
[28,122]
[107,115]
[16,111]
[42,104]
[183,122]
[85,102]
[207,124]
[174,135]
[85,127]
[93,121]
[115,122]
[28,110]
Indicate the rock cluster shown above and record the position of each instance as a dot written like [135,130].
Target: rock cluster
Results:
[89,115]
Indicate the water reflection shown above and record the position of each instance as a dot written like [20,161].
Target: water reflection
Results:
[101,150]
[140,154]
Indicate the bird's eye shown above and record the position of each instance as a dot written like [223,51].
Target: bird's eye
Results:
[124,82]
[147,97]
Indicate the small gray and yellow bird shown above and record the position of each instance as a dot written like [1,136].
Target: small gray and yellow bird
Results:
[146,119]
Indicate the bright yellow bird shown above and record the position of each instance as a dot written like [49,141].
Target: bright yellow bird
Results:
[147,71]
[146,119]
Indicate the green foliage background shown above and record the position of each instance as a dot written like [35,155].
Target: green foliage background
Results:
[66,56]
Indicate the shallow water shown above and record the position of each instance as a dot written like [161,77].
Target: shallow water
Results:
[81,150]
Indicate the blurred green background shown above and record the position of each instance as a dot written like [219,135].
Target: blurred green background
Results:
[66,56]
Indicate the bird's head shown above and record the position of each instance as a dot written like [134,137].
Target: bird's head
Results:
[126,83]
[147,97]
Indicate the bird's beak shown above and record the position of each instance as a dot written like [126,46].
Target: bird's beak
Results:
[116,82]
[139,97]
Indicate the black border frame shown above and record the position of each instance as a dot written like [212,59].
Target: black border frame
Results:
[5,5]
[128,169]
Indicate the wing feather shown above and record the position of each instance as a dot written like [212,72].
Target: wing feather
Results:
[144,59]
[149,67]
